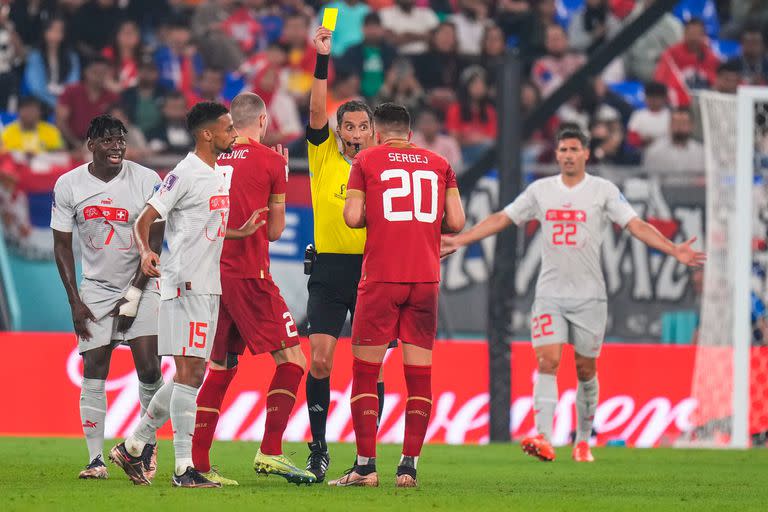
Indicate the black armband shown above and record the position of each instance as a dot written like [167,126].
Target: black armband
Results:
[321,66]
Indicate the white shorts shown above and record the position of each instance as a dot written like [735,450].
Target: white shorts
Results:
[188,325]
[104,330]
[579,322]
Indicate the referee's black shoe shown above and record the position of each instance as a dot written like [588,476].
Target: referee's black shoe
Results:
[318,460]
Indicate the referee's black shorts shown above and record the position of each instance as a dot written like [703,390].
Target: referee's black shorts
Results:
[332,292]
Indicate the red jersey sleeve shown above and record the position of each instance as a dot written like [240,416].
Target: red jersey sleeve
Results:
[450,179]
[278,171]
[356,177]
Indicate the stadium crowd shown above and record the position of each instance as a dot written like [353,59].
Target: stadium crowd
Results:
[148,61]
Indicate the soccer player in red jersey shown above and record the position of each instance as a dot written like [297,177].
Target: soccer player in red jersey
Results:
[252,313]
[405,196]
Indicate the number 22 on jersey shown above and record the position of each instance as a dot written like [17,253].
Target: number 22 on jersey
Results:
[410,185]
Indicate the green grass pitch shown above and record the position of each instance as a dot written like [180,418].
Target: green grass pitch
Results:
[41,474]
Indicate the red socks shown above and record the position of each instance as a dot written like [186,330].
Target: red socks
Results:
[209,401]
[418,407]
[280,401]
[365,405]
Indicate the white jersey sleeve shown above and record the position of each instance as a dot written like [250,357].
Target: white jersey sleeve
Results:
[63,213]
[617,207]
[170,194]
[524,207]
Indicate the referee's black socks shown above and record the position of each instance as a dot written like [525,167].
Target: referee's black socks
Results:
[318,401]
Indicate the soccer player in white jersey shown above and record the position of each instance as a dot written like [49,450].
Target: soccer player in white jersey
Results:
[573,208]
[116,302]
[194,201]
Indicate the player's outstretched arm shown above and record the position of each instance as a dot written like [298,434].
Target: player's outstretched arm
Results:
[651,236]
[149,258]
[318,95]
[276,203]
[354,209]
[250,227]
[65,262]
[489,226]
[454,218]
[128,306]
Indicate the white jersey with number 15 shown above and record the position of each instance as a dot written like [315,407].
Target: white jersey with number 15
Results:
[573,222]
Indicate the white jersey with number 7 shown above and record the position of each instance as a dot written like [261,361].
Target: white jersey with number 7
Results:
[573,222]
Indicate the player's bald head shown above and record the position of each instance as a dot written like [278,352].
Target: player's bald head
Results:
[246,109]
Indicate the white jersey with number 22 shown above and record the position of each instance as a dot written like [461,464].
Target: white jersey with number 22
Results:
[573,222]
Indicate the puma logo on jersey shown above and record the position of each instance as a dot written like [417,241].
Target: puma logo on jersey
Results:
[106,201]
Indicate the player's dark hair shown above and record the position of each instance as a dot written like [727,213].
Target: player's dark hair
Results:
[572,131]
[102,125]
[655,89]
[204,113]
[353,106]
[392,117]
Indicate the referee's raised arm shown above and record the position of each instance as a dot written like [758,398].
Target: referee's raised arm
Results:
[335,265]
[318,96]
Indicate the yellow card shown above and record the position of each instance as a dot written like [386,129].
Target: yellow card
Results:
[329,17]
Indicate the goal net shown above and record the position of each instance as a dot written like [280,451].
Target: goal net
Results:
[730,379]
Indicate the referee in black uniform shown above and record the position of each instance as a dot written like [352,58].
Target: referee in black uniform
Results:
[335,270]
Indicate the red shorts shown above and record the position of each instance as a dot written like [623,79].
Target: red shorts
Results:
[388,311]
[252,313]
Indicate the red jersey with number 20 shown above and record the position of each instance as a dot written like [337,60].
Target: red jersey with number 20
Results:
[405,189]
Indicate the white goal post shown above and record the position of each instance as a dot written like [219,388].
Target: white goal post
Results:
[722,372]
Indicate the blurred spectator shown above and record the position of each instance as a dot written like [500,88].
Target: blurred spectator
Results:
[30,17]
[607,143]
[652,122]
[743,13]
[209,87]
[29,133]
[688,65]
[301,58]
[592,25]
[223,33]
[11,55]
[143,102]
[124,54]
[349,28]
[346,87]
[492,56]
[244,25]
[600,94]
[538,147]
[93,25]
[284,120]
[429,135]
[178,61]
[137,149]
[373,57]
[753,61]
[546,11]
[641,58]
[472,119]
[81,102]
[171,137]
[402,87]
[550,71]
[438,69]
[51,67]
[522,27]
[728,77]
[470,20]
[408,27]
[678,151]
